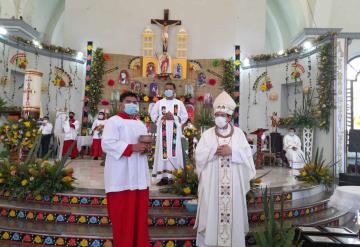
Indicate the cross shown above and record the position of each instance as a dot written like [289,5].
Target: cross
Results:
[28,91]
[165,24]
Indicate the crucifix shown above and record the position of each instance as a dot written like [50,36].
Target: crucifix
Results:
[28,91]
[165,24]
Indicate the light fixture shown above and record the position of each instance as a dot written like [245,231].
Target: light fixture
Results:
[246,62]
[307,45]
[3,31]
[79,55]
[281,52]
[36,42]
[40,46]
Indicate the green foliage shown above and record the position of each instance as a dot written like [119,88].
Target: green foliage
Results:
[95,87]
[36,176]
[204,117]
[229,76]
[274,235]
[216,63]
[325,85]
[2,103]
[316,171]
[305,117]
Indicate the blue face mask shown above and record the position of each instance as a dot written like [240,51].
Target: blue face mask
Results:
[168,93]
[131,109]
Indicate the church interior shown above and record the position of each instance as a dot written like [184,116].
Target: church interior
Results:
[289,68]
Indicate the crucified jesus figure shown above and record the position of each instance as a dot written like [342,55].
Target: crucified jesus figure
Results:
[165,32]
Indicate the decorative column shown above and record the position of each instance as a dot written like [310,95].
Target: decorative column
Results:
[237,85]
[32,94]
[308,137]
[85,114]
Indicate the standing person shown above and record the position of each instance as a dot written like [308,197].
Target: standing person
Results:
[225,167]
[292,147]
[97,129]
[168,114]
[127,177]
[71,127]
[46,133]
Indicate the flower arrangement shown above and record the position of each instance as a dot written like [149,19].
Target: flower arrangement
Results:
[185,182]
[36,177]
[255,185]
[145,117]
[266,86]
[190,131]
[316,171]
[22,62]
[18,135]
[58,81]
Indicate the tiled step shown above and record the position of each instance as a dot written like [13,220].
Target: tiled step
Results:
[14,230]
[56,213]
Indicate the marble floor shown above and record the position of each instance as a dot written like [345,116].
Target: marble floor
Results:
[90,175]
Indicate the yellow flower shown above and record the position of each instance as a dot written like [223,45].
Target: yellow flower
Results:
[104,202]
[187,190]
[24,182]
[171,222]
[27,124]
[38,197]
[6,235]
[28,134]
[30,215]
[50,217]
[170,244]
[37,239]
[82,219]
[2,180]
[67,179]
[60,241]
[179,172]
[74,200]
[87,88]
[189,167]
[84,243]
[146,98]
[12,213]
[263,87]
[237,62]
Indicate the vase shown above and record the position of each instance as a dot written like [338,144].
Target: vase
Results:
[308,139]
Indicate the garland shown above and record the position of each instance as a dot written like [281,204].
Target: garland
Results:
[290,51]
[228,77]
[94,89]
[49,47]
[325,85]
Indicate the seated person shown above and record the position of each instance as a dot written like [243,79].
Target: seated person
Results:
[292,147]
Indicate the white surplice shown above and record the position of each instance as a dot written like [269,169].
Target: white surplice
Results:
[70,133]
[223,183]
[294,157]
[96,133]
[165,160]
[124,173]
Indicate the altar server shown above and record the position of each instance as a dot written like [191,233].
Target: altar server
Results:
[97,129]
[71,128]
[126,174]
[225,166]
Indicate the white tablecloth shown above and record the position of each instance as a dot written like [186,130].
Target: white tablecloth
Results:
[83,141]
[346,198]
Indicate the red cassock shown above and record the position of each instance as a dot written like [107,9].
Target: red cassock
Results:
[67,145]
[96,150]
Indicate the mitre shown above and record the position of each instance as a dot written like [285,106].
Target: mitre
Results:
[224,103]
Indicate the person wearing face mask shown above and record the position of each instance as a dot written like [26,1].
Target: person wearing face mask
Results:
[292,147]
[71,127]
[46,133]
[126,174]
[169,114]
[97,128]
[225,166]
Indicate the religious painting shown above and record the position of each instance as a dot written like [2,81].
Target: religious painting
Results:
[208,99]
[165,64]
[123,77]
[136,86]
[191,112]
[189,89]
[178,71]
[201,80]
[150,70]
[154,89]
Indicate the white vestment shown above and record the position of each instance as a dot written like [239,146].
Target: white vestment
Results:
[295,157]
[124,173]
[222,218]
[96,123]
[70,133]
[168,151]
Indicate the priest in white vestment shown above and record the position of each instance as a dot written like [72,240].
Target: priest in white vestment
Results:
[169,114]
[126,174]
[225,166]
[292,147]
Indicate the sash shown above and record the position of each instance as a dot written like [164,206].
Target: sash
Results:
[164,134]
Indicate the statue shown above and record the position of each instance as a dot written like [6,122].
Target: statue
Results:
[274,122]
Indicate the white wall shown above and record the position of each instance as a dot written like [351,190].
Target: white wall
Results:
[58,96]
[258,117]
[214,26]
